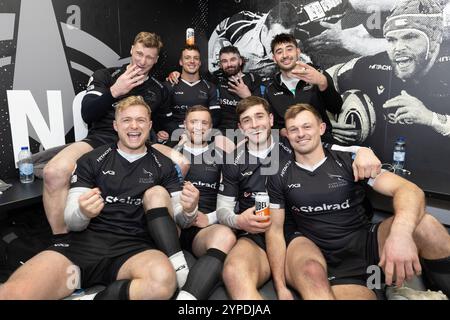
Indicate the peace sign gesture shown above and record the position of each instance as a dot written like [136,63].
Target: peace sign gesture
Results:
[310,75]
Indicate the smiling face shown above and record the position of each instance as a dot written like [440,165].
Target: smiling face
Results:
[304,132]
[256,123]
[133,126]
[190,61]
[230,63]
[407,51]
[144,58]
[198,124]
[286,55]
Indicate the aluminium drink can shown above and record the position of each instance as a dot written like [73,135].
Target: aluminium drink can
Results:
[262,205]
[190,36]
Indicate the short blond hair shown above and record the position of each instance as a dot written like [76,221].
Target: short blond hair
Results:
[295,109]
[149,40]
[132,101]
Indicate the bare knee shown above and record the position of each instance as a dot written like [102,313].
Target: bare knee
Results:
[312,270]
[431,238]
[57,174]
[156,197]
[235,271]
[240,280]
[426,227]
[224,239]
[161,281]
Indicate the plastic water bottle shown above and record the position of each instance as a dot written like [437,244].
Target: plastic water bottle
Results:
[26,171]
[399,155]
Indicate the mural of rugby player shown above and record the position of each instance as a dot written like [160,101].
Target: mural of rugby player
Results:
[407,87]
[329,31]
[252,33]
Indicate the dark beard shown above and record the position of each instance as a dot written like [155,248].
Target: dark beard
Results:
[236,71]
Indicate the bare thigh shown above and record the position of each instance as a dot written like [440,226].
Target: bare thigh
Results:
[353,292]
[71,153]
[252,260]
[48,275]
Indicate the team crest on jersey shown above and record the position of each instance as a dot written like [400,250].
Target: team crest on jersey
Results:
[341,182]
[149,96]
[202,94]
[148,177]
[249,194]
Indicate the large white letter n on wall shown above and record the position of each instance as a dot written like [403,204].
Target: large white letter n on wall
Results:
[22,106]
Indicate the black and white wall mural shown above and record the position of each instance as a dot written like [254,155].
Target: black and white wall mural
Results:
[389,59]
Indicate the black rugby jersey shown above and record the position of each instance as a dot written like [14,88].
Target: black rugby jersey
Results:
[122,185]
[247,175]
[98,104]
[184,95]
[280,98]
[204,173]
[325,205]
[229,100]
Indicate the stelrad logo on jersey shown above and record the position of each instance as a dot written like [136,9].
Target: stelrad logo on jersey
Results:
[323,207]
[127,200]
[228,102]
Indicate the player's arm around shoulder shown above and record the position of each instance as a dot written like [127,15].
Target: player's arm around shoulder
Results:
[177,158]
[365,163]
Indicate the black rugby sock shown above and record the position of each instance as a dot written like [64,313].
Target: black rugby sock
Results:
[204,275]
[163,230]
[118,290]
[437,273]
